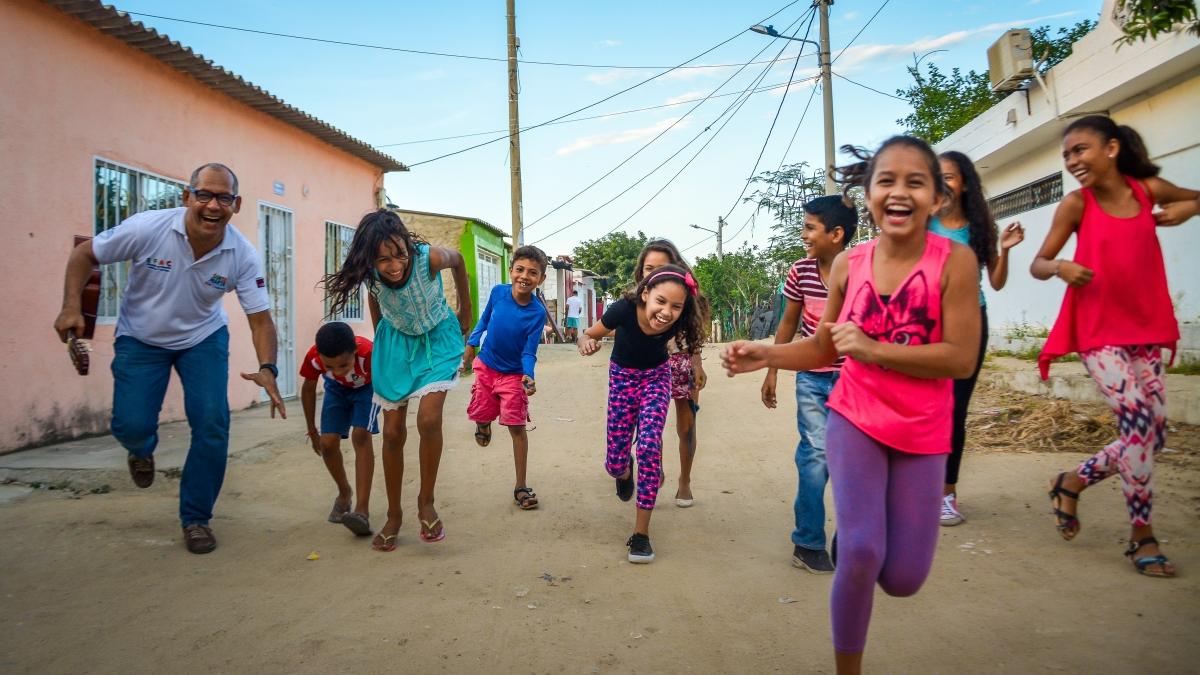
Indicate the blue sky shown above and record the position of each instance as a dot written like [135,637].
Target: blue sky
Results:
[389,98]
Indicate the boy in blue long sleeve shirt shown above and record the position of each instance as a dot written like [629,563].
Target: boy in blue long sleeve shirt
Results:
[504,377]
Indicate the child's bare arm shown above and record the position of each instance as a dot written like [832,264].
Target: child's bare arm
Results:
[1066,220]
[373,305]
[590,344]
[308,402]
[449,259]
[955,355]
[784,334]
[1177,204]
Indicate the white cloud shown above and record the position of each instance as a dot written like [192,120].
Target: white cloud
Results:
[859,55]
[689,96]
[850,16]
[609,43]
[619,137]
[612,76]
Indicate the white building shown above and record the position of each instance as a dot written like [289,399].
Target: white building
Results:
[1153,86]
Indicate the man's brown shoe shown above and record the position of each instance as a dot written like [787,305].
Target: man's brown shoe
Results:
[142,470]
[199,539]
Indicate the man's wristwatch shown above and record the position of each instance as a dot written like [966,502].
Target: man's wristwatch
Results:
[271,367]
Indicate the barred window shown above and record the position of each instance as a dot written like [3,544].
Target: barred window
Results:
[337,245]
[121,192]
[1028,197]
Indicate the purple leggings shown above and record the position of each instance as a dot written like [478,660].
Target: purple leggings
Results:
[638,399]
[887,505]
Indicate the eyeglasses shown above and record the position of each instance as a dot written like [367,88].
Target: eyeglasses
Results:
[204,196]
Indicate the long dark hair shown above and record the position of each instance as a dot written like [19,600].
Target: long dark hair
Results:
[690,337]
[1132,158]
[858,174]
[664,246]
[374,230]
[981,227]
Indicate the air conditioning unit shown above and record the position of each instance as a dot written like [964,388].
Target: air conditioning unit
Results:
[1010,60]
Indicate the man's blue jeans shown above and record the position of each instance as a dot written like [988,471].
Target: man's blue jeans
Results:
[140,376]
[812,393]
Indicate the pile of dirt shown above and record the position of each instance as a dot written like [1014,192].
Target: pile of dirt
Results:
[1004,420]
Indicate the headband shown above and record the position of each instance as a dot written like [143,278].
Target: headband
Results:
[688,280]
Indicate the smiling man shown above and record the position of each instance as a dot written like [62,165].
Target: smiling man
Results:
[182,263]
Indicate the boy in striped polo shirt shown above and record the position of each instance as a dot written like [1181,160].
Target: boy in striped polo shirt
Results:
[828,227]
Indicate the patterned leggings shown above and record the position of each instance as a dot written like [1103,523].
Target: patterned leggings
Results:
[638,399]
[1130,378]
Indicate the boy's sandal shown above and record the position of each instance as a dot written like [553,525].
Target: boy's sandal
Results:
[338,511]
[385,543]
[525,498]
[483,434]
[357,523]
[427,534]
[1068,523]
[1143,564]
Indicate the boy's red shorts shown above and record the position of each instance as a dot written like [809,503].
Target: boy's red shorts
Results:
[497,395]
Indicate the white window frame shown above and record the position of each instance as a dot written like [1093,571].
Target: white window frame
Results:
[118,273]
[353,313]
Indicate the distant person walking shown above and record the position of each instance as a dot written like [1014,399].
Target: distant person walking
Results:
[183,262]
[574,316]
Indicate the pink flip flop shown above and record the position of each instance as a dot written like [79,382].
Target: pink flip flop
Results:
[427,534]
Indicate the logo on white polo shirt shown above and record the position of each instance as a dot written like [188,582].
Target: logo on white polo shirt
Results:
[159,264]
[219,282]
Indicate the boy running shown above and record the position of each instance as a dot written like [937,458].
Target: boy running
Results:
[504,378]
[828,227]
[344,360]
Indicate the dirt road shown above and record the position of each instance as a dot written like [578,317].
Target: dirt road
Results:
[102,583]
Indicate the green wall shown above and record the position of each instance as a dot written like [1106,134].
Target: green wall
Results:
[475,235]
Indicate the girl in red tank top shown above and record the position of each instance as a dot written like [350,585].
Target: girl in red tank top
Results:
[904,310]
[1116,313]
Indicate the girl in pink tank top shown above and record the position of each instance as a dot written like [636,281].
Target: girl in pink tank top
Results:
[904,309]
[1117,313]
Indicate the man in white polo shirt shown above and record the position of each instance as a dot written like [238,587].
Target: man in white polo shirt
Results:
[183,262]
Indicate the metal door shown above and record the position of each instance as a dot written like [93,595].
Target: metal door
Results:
[275,237]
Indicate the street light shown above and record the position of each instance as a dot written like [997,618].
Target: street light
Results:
[720,232]
[826,83]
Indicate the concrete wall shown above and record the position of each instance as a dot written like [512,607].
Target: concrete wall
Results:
[1152,86]
[72,94]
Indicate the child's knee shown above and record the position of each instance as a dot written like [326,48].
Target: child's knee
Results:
[330,445]
[429,423]
[360,437]
[904,584]
[394,436]
[517,431]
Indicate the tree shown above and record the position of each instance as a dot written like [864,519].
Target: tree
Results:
[614,256]
[735,285]
[943,104]
[783,194]
[1142,19]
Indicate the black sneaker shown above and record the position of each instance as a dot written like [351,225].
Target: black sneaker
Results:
[817,562]
[833,550]
[640,550]
[625,487]
[199,539]
[141,469]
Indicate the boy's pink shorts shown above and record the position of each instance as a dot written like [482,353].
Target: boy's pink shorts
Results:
[497,395]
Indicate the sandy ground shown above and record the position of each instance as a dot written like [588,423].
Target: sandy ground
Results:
[102,583]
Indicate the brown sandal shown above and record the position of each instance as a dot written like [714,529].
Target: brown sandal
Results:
[525,498]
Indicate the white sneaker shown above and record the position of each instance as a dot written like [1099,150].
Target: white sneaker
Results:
[950,514]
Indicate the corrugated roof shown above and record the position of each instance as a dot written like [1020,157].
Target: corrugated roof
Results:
[111,21]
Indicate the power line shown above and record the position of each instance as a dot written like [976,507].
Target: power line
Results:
[759,90]
[652,140]
[860,32]
[775,119]
[470,57]
[606,98]
[860,84]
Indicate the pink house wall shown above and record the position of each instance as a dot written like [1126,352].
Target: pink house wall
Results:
[70,95]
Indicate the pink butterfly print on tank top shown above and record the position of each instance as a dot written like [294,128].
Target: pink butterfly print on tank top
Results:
[903,320]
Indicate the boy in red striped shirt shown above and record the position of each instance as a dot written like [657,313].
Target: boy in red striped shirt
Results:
[828,227]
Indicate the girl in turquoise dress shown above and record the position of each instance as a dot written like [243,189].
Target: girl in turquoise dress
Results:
[418,348]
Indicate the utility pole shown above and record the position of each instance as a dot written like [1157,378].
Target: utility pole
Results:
[827,96]
[720,237]
[514,126]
